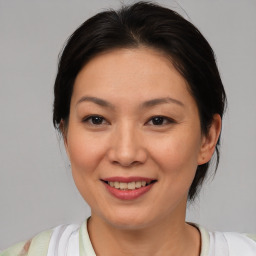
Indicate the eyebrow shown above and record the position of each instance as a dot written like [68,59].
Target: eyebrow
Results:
[95,100]
[158,101]
[146,104]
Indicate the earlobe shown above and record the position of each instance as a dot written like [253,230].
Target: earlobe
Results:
[209,141]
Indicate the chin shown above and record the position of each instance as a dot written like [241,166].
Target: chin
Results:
[129,220]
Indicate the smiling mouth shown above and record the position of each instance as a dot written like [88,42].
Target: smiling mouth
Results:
[134,185]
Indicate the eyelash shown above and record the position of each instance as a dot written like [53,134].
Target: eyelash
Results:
[88,119]
[164,119]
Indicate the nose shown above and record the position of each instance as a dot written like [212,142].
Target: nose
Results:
[127,147]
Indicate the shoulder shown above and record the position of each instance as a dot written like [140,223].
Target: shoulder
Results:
[252,236]
[63,238]
[238,240]
[19,249]
[38,245]
[226,243]
[233,243]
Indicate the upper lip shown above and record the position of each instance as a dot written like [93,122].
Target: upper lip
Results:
[127,179]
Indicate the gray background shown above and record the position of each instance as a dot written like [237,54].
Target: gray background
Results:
[36,186]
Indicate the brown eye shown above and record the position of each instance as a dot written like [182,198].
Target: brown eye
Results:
[160,120]
[97,120]
[94,120]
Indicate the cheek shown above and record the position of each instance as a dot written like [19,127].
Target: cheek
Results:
[84,151]
[176,152]
[176,157]
[177,163]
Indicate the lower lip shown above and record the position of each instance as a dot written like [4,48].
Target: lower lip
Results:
[128,194]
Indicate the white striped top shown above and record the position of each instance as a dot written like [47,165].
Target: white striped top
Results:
[73,240]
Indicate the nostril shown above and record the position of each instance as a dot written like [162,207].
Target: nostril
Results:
[126,155]
[126,164]
[115,162]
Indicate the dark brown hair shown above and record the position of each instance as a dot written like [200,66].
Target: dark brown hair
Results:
[150,25]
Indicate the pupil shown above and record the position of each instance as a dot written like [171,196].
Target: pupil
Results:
[97,120]
[158,120]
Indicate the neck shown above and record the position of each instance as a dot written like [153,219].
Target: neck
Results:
[171,234]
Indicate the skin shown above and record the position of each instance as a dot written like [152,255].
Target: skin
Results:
[127,142]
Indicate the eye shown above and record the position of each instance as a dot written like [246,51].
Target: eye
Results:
[94,120]
[160,120]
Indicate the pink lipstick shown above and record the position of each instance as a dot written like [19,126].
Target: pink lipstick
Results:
[128,188]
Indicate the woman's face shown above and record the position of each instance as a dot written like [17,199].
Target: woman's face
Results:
[133,122]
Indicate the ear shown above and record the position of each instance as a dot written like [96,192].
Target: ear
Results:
[209,141]
[64,131]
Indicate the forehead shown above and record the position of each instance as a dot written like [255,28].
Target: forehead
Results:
[139,73]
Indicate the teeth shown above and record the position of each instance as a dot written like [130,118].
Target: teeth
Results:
[123,185]
[131,185]
[128,186]
[138,184]
[117,184]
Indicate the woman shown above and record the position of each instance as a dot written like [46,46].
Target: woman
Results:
[139,103]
